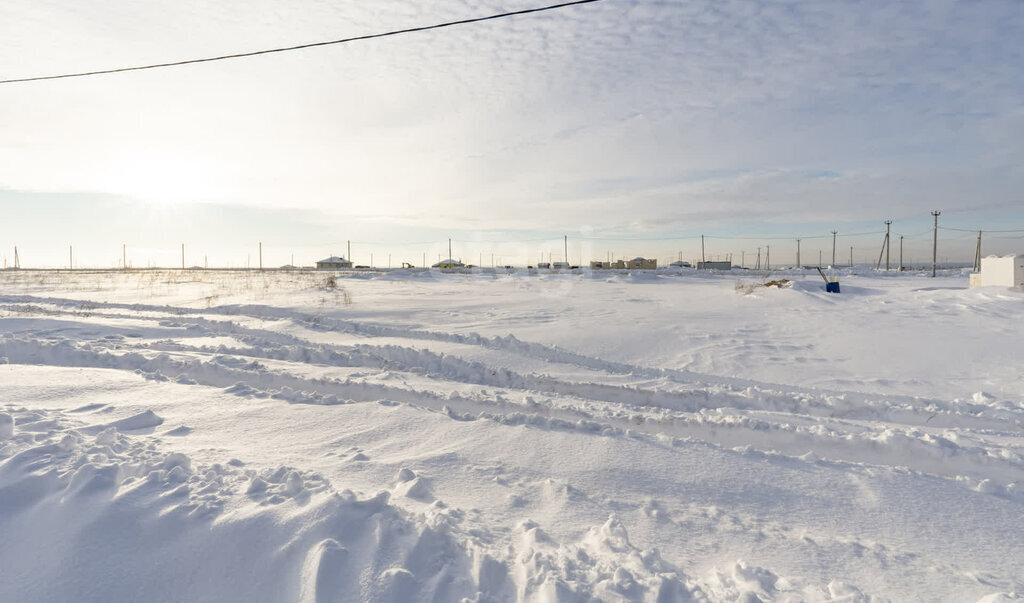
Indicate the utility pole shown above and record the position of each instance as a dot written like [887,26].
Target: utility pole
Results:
[798,254]
[888,224]
[834,232]
[885,248]
[901,253]
[17,260]
[819,258]
[71,258]
[261,256]
[758,266]
[183,256]
[743,257]
[935,241]
[349,258]
[768,257]
[977,255]
[566,241]
[702,258]
[851,256]
[449,250]
[124,256]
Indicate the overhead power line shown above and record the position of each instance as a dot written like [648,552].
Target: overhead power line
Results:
[976,229]
[303,46]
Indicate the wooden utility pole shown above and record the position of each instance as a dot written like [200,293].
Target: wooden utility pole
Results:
[566,241]
[798,253]
[888,225]
[449,250]
[183,256]
[851,256]
[901,253]
[17,260]
[977,255]
[349,258]
[71,258]
[743,257]
[702,258]
[124,256]
[834,232]
[935,241]
[261,255]
[758,266]
[768,257]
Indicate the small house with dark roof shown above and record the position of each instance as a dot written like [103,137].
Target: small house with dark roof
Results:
[333,263]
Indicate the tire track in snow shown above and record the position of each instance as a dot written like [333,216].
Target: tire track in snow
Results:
[241,375]
[742,394]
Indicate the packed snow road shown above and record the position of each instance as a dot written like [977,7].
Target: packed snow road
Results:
[420,436]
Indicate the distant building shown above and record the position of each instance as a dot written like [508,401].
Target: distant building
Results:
[642,264]
[544,265]
[600,265]
[680,264]
[633,264]
[714,265]
[560,266]
[333,263]
[1000,271]
[449,263]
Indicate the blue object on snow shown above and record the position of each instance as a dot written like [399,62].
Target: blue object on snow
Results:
[832,287]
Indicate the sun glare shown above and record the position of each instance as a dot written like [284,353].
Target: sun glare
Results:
[159,177]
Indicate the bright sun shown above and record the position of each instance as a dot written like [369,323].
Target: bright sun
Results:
[159,177]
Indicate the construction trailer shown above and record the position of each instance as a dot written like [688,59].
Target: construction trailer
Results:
[714,265]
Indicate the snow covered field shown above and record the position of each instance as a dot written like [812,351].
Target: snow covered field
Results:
[219,436]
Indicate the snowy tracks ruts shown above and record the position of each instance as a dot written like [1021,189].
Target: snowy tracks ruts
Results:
[299,357]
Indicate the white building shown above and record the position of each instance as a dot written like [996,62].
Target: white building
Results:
[1000,271]
[333,263]
[714,265]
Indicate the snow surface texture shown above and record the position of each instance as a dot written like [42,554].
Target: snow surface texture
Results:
[204,436]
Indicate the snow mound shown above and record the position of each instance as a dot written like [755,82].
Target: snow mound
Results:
[143,420]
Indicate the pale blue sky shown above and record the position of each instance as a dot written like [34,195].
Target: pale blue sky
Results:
[650,121]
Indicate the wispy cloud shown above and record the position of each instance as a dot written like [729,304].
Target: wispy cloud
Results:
[678,111]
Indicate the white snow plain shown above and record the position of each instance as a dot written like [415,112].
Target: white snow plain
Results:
[416,436]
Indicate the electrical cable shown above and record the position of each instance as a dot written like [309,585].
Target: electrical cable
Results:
[302,46]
